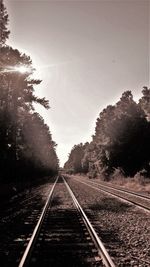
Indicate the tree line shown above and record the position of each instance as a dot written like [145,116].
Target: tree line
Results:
[121,140]
[26,145]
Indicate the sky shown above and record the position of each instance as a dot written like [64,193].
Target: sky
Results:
[87,53]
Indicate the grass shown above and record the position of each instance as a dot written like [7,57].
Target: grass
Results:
[137,183]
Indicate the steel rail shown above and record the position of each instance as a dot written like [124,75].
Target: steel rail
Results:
[122,190]
[145,208]
[29,248]
[98,243]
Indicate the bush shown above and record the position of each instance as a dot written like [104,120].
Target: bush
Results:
[140,177]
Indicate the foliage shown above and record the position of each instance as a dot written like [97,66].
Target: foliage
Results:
[4,32]
[36,145]
[144,102]
[25,140]
[26,143]
[121,139]
[74,163]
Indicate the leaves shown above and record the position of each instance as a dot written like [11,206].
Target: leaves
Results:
[4,32]
[25,140]
[121,138]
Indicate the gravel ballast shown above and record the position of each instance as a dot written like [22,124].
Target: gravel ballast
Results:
[124,228]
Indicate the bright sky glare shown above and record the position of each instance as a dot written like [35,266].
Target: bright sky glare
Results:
[87,53]
[21,69]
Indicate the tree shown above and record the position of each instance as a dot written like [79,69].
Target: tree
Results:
[4,32]
[74,162]
[122,134]
[144,102]
[121,139]
[17,93]
[16,105]
[26,144]
[36,147]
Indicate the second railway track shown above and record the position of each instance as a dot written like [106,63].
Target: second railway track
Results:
[64,235]
[139,200]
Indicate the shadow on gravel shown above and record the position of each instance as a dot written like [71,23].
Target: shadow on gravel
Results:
[13,193]
[56,201]
[109,235]
[110,204]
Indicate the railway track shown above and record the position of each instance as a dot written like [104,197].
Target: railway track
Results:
[64,235]
[128,191]
[135,198]
[123,228]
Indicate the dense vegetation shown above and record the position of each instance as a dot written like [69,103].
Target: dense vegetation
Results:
[26,145]
[121,140]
